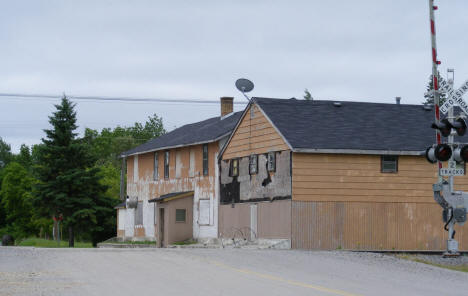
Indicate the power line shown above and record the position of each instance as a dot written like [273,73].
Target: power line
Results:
[114,99]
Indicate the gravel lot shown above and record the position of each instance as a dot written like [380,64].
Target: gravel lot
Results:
[31,271]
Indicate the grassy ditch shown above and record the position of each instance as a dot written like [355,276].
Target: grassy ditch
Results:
[46,243]
[463,268]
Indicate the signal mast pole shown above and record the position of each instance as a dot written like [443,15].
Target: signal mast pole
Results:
[435,77]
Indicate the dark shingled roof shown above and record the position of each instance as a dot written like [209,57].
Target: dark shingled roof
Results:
[352,125]
[200,132]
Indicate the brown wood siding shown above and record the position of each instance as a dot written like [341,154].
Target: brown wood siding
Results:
[371,226]
[333,177]
[254,136]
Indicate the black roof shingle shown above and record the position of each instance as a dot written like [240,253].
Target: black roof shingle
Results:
[351,125]
[205,131]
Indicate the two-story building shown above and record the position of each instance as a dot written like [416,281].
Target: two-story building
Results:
[334,175]
[173,182]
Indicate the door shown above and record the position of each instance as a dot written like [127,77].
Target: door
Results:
[161,228]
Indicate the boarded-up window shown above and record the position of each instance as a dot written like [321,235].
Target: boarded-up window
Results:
[192,163]
[271,165]
[180,215]
[389,163]
[166,164]
[234,167]
[205,159]
[139,213]
[155,170]
[204,212]
[178,164]
[122,213]
[253,164]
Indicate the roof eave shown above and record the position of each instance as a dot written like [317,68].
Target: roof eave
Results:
[358,151]
[177,146]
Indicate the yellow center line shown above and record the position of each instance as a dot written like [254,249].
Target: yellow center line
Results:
[283,280]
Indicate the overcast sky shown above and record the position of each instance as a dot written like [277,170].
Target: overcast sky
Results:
[340,50]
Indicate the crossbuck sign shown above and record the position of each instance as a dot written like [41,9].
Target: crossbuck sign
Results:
[454,96]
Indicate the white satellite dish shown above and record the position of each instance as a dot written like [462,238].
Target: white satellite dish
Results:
[244,86]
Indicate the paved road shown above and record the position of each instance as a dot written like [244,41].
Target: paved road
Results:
[30,271]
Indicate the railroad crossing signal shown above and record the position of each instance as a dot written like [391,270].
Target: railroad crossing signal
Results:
[445,126]
[454,96]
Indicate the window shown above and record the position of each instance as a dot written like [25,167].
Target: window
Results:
[389,164]
[205,159]
[234,168]
[155,171]
[271,165]
[180,215]
[252,112]
[166,165]
[139,213]
[253,164]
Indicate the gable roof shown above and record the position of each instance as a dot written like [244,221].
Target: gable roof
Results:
[201,132]
[351,127]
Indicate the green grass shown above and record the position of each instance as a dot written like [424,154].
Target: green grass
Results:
[45,243]
[463,268]
[183,243]
[133,242]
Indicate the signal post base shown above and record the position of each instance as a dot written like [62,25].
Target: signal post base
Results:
[452,249]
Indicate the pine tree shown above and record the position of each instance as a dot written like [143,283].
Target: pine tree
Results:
[430,96]
[307,95]
[69,185]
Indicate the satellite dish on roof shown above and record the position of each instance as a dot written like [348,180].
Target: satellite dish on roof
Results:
[244,85]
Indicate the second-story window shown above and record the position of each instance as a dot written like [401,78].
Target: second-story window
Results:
[389,164]
[205,159]
[234,168]
[271,162]
[166,164]
[253,164]
[155,170]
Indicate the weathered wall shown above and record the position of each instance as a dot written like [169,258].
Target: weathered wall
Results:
[264,184]
[121,222]
[254,136]
[344,201]
[185,174]
[273,219]
[176,231]
[371,226]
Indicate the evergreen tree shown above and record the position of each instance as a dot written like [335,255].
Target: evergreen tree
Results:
[430,96]
[5,153]
[24,157]
[307,95]
[68,184]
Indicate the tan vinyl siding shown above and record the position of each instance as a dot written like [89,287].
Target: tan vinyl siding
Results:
[254,136]
[334,177]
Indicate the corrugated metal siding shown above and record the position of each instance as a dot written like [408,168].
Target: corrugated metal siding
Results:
[232,219]
[274,219]
[371,226]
